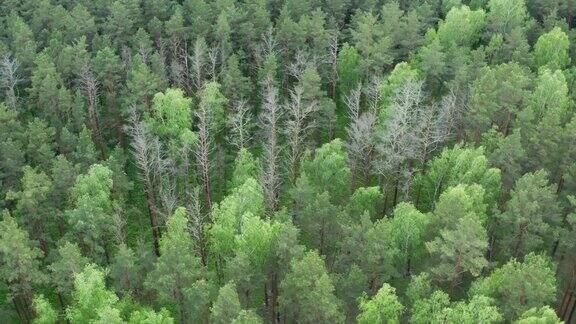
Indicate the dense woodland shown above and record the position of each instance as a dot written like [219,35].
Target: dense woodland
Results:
[287,161]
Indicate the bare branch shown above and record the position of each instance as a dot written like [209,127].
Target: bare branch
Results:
[301,62]
[203,151]
[399,142]
[298,128]
[361,146]
[213,55]
[352,101]
[270,119]
[372,92]
[240,123]
[197,221]
[9,79]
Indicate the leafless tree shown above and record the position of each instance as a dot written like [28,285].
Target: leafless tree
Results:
[302,61]
[9,79]
[267,46]
[126,56]
[270,118]
[414,130]
[148,156]
[213,55]
[399,140]
[178,74]
[199,57]
[203,152]
[240,124]
[197,223]
[352,101]
[179,63]
[451,110]
[144,53]
[167,190]
[90,85]
[119,224]
[372,92]
[333,62]
[361,146]
[298,127]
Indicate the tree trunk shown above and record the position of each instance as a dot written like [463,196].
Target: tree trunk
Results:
[153,211]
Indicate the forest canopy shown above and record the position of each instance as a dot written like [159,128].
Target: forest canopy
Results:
[287,161]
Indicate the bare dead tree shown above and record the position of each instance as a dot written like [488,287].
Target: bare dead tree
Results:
[147,156]
[90,85]
[352,101]
[167,190]
[298,127]
[372,92]
[119,224]
[197,223]
[240,124]
[144,53]
[361,146]
[451,110]
[203,152]
[302,61]
[361,138]
[267,46]
[199,57]
[9,79]
[126,56]
[333,62]
[399,141]
[179,63]
[269,119]
[178,74]
[213,55]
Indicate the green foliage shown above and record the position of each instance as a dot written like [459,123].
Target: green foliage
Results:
[401,74]
[245,167]
[20,261]
[497,95]
[365,200]
[228,217]
[349,75]
[69,262]
[420,156]
[519,286]
[227,306]
[178,276]
[308,293]
[147,316]
[551,50]
[408,227]
[506,15]
[247,317]
[329,172]
[372,42]
[438,309]
[384,307]
[532,216]
[457,166]
[91,300]
[45,313]
[460,250]
[171,117]
[462,27]
[214,102]
[91,218]
[544,314]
